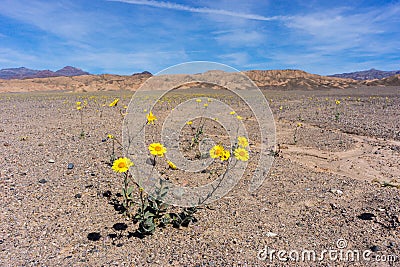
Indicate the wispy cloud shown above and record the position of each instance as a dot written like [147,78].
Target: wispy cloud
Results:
[240,37]
[236,59]
[174,6]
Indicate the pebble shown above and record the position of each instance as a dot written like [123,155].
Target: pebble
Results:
[270,234]
[337,191]
[93,236]
[78,196]
[51,161]
[151,161]
[366,216]
[375,248]
[70,166]
[42,181]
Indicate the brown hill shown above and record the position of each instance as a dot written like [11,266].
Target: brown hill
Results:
[389,81]
[297,79]
[281,79]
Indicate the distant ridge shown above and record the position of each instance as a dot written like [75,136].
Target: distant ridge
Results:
[371,74]
[264,79]
[25,73]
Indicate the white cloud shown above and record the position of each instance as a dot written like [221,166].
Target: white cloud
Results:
[240,38]
[10,58]
[236,59]
[174,6]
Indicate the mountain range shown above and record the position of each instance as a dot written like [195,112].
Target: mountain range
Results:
[25,73]
[76,80]
[371,74]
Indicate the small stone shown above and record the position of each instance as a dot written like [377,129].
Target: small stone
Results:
[375,248]
[51,161]
[366,216]
[93,236]
[151,161]
[270,234]
[70,166]
[337,191]
[78,196]
[42,181]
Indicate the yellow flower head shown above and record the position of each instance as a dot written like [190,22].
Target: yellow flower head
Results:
[157,149]
[241,154]
[151,118]
[110,136]
[225,155]
[217,151]
[114,103]
[205,105]
[337,102]
[209,99]
[232,112]
[189,122]
[281,107]
[78,103]
[198,100]
[239,117]
[122,165]
[171,165]
[299,124]
[242,141]
[79,107]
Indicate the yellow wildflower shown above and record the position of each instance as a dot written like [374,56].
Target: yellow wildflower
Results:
[232,112]
[122,165]
[239,117]
[114,103]
[242,141]
[171,165]
[189,122]
[337,102]
[151,118]
[217,151]
[157,149]
[241,154]
[225,155]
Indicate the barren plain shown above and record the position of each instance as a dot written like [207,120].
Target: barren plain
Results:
[335,177]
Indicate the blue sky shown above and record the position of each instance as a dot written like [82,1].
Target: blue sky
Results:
[127,36]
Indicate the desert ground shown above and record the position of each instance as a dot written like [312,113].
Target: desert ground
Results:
[335,177]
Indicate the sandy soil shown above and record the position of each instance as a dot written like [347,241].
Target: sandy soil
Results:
[334,177]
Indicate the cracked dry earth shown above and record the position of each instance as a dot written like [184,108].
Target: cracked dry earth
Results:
[335,177]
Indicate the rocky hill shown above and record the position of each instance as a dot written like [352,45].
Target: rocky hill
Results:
[371,74]
[389,81]
[297,79]
[25,73]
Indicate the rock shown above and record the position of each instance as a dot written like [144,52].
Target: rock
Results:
[93,236]
[42,181]
[151,161]
[70,166]
[337,191]
[270,234]
[366,216]
[51,161]
[78,196]
[375,248]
